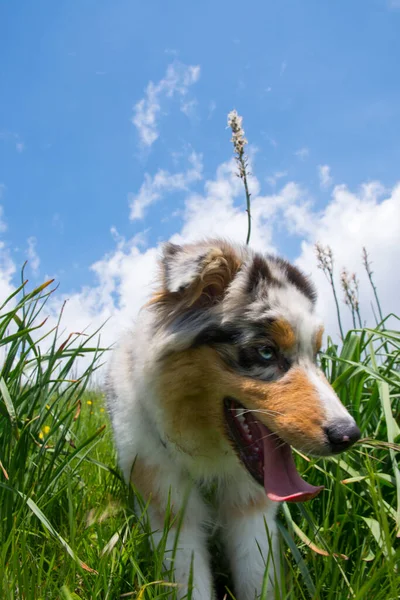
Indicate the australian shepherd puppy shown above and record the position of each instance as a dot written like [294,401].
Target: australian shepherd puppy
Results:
[213,386]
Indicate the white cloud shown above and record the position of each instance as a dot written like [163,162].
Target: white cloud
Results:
[7,266]
[7,270]
[220,210]
[125,276]
[283,67]
[189,107]
[349,222]
[33,257]
[394,4]
[369,217]
[124,283]
[163,182]
[325,178]
[275,177]
[176,82]
[302,153]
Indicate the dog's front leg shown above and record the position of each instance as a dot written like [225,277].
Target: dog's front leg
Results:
[184,545]
[251,542]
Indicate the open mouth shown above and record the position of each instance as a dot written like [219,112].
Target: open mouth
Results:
[266,456]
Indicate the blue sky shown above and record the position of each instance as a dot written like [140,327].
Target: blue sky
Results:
[317,82]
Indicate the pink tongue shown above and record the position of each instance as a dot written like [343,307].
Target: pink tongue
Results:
[282,482]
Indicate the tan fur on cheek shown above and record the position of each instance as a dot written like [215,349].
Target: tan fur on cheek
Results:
[191,389]
[192,386]
[292,408]
[283,335]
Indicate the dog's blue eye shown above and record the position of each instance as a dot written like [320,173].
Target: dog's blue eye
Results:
[266,353]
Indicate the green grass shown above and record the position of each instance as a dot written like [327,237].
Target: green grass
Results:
[67,529]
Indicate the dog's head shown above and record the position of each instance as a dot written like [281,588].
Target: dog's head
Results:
[237,363]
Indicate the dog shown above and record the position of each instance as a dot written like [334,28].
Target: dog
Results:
[216,381]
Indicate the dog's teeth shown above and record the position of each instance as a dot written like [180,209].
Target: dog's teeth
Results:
[240,417]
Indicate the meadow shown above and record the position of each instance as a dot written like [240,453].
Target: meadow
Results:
[67,526]
[71,529]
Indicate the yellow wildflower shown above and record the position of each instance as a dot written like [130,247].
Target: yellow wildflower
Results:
[44,431]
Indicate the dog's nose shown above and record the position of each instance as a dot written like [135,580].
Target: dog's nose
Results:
[342,435]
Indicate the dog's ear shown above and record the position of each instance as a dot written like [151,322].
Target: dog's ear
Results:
[198,274]
[259,274]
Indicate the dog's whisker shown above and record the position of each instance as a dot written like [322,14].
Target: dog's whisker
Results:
[264,411]
[264,437]
[280,446]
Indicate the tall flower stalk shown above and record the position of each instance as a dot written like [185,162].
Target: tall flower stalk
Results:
[325,263]
[239,142]
[351,295]
[367,265]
